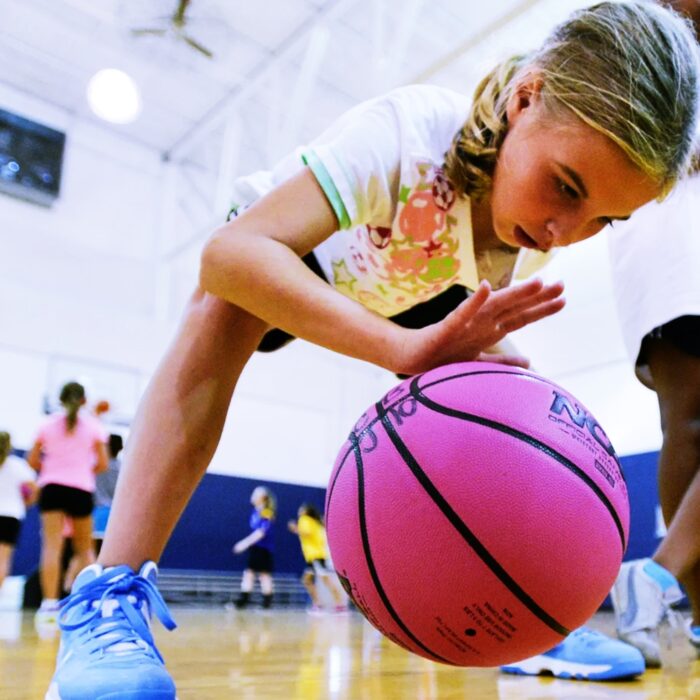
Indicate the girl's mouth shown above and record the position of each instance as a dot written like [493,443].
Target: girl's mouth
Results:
[522,239]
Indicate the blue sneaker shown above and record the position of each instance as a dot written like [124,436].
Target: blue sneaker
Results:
[584,655]
[107,650]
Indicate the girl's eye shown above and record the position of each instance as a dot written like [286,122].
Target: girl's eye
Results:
[567,190]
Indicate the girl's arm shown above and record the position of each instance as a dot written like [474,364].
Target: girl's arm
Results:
[34,456]
[249,541]
[102,460]
[255,263]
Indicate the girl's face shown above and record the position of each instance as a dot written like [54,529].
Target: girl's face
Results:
[557,183]
[257,498]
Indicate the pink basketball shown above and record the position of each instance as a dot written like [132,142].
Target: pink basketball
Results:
[477,514]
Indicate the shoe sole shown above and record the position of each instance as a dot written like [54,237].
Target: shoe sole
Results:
[53,694]
[572,671]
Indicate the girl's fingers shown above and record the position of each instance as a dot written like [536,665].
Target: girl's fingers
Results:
[547,294]
[528,316]
[471,306]
[504,299]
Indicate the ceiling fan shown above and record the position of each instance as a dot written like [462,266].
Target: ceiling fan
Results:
[175,28]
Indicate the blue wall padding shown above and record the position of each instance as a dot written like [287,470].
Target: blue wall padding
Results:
[640,472]
[215,518]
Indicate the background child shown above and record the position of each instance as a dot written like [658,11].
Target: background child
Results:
[312,536]
[657,288]
[68,451]
[259,544]
[17,491]
[105,486]
[405,197]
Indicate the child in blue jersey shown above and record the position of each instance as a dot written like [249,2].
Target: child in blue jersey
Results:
[259,545]
[406,198]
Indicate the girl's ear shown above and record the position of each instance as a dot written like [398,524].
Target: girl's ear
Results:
[525,96]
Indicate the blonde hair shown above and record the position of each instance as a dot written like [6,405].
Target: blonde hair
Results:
[268,498]
[627,69]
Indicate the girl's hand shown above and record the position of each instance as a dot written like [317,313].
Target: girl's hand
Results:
[501,359]
[30,493]
[479,322]
[239,547]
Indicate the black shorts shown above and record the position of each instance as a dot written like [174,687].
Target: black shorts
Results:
[418,316]
[683,332]
[74,502]
[9,530]
[260,560]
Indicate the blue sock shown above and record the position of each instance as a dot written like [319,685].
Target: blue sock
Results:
[662,576]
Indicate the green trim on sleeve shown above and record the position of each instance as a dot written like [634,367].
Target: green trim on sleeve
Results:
[328,186]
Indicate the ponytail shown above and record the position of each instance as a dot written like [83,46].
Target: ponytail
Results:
[72,397]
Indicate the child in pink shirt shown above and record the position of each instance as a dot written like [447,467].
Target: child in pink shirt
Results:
[68,451]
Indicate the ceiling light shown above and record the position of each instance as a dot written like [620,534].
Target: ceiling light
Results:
[113,96]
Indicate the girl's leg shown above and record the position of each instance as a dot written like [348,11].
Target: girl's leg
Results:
[248,581]
[83,548]
[308,580]
[267,588]
[51,547]
[677,381]
[177,427]
[266,584]
[334,588]
[5,560]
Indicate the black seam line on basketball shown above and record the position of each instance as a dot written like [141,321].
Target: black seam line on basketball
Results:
[418,395]
[331,486]
[370,562]
[467,535]
[535,377]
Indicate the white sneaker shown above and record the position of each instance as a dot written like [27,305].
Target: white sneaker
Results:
[642,596]
[46,619]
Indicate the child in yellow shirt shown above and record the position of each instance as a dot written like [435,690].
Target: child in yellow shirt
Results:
[312,535]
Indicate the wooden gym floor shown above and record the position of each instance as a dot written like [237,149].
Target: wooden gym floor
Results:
[290,655]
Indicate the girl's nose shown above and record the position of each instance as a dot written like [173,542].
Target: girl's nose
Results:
[565,230]
[549,239]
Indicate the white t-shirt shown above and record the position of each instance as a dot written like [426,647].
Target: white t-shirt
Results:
[404,236]
[13,473]
[655,261]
